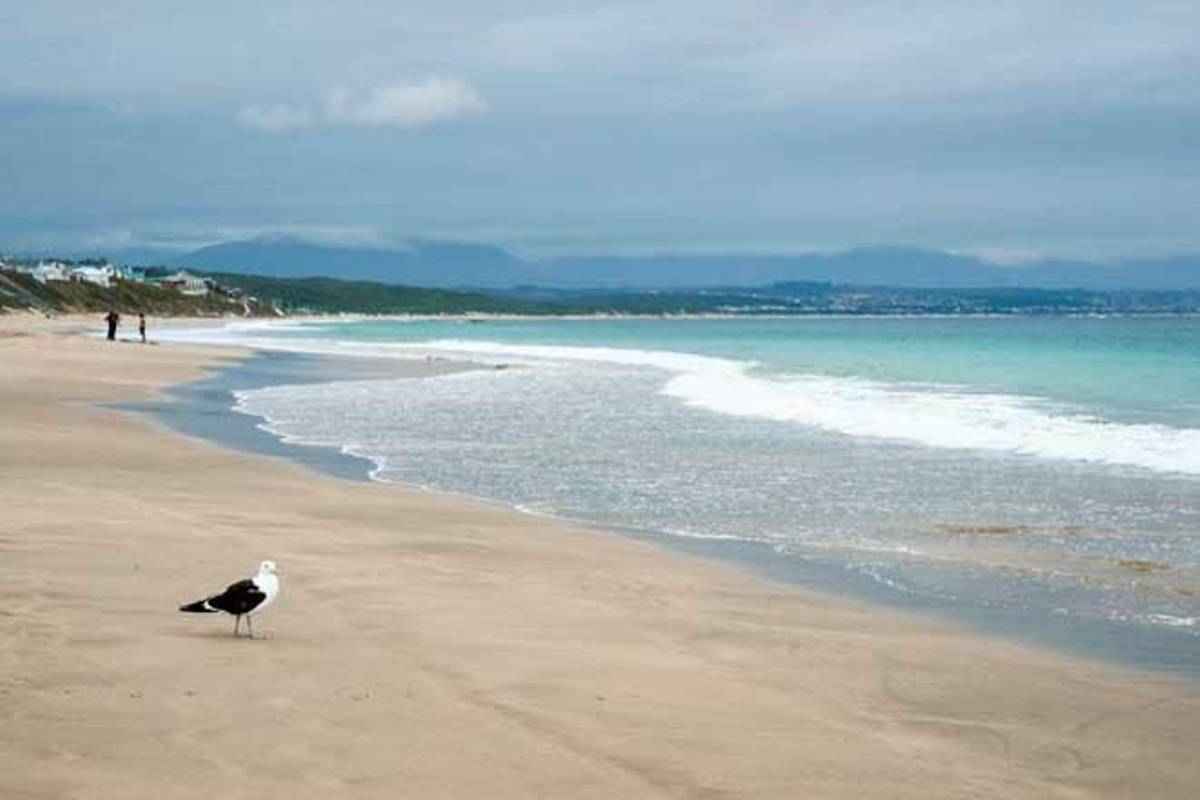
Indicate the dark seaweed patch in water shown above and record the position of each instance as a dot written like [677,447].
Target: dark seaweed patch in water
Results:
[1141,565]
[980,530]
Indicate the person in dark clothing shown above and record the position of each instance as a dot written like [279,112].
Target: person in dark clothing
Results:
[113,319]
[142,327]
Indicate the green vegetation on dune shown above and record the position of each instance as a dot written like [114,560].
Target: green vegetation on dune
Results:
[334,295]
[252,295]
[18,290]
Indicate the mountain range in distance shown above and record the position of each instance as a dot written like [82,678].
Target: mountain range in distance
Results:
[450,264]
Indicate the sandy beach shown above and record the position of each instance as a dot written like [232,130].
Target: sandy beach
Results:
[428,646]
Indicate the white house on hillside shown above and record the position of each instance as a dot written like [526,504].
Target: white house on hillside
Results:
[100,276]
[50,271]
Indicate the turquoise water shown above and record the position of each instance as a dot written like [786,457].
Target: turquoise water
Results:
[1034,465]
[1138,368]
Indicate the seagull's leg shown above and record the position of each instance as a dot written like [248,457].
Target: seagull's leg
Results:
[250,622]
[237,624]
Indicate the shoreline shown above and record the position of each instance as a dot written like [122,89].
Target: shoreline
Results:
[1160,649]
[430,646]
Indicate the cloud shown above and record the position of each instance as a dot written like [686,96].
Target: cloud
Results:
[1064,128]
[399,105]
[408,105]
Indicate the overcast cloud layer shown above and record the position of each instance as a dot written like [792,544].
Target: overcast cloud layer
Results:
[1014,129]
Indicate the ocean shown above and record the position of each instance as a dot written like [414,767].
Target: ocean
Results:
[1013,469]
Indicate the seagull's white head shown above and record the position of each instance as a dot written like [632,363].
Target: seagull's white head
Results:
[267,567]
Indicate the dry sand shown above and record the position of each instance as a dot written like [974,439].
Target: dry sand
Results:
[427,646]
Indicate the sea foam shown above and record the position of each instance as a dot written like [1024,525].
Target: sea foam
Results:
[929,415]
[940,416]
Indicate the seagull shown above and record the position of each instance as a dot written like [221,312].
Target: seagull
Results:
[246,597]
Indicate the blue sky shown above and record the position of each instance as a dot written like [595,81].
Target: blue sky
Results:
[1014,130]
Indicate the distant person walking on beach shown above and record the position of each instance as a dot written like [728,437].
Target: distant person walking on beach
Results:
[113,319]
[142,327]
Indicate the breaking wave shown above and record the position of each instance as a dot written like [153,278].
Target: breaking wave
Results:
[940,416]
[930,415]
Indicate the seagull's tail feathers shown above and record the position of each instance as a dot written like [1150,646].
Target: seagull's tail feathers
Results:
[199,607]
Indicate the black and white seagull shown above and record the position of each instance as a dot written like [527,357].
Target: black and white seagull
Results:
[244,598]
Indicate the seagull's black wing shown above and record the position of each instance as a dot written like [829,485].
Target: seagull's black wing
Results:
[240,598]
